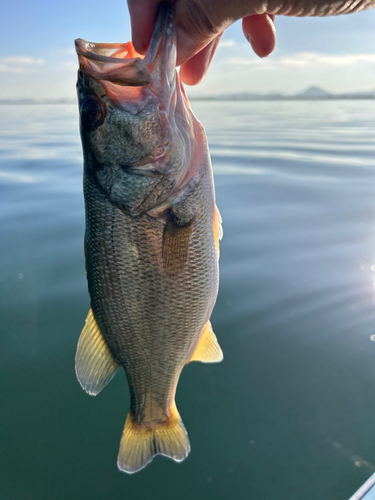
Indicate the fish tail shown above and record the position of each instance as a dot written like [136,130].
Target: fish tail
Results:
[141,442]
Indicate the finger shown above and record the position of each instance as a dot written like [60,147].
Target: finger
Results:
[260,31]
[197,26]
[198,22]
[194,70]
[143,18]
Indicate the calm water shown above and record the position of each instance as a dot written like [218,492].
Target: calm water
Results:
[290,413]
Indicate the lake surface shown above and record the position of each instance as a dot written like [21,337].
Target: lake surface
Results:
[290,413]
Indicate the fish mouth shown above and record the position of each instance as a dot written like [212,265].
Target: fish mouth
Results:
[130,82]
[113,62]
[120,64]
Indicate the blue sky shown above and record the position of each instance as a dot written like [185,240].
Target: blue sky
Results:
[37,58]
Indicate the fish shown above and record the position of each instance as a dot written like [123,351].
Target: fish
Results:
[151,236]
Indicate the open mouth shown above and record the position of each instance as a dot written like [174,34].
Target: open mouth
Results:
[121,64]
[113,62]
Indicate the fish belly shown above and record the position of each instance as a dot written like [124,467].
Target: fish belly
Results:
[150,318]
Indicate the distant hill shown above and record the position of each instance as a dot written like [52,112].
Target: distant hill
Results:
[311,93]
[314,92]
[364,95]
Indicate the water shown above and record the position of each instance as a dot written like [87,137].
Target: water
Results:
[290,411]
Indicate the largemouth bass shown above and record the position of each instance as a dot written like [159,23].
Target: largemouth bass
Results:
[152,237]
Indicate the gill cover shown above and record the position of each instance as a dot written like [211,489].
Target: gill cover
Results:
[138,132]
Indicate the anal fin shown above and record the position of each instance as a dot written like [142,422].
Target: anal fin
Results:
[208,349]
[95,365]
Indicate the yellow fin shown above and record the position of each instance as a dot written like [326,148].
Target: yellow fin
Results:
[141,442]
[218,229]
[95,365]
[208,349]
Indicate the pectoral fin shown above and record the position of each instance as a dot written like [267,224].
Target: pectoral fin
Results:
[218,229]
[176,243]
[95,365]
[208,349]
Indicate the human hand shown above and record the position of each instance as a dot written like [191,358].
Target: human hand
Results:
[201,23]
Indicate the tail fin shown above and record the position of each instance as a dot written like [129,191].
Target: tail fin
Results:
[140,443]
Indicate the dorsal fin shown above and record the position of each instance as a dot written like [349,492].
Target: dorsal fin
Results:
[208,349]
[218,229]
[95,365]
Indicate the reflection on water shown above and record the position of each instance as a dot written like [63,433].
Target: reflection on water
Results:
[290,411]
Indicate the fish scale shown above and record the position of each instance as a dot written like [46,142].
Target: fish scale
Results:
[147,315]
[151,241]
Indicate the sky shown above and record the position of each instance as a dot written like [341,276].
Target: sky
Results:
[37,58]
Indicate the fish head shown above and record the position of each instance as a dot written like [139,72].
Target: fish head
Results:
[138,132]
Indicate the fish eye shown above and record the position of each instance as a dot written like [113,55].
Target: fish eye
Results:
[92,111]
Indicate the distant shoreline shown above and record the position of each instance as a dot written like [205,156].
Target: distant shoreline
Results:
[216,99]
[285,98]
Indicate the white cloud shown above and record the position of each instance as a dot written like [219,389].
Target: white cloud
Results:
[18,64]
[242,71]
[310,58]
[301,60]
[239,61]
[226,44]
[234,69]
